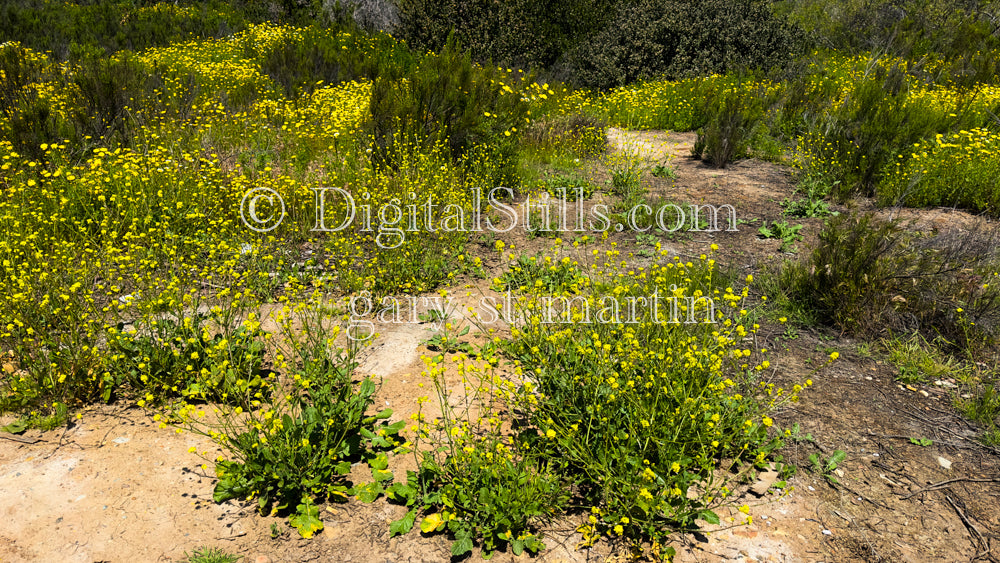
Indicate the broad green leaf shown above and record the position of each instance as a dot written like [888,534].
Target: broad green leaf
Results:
[403,525]
[381,461]
[380,475]
[533,544]
[461,546]
[368,492]
[306,520]
[16,427]
[402,492]
[230,486]
[709,516]
[367,388]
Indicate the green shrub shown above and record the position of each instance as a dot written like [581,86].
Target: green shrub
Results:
[517,33]
[954,170]
[29,118]
[111,26]
[642,413]
[114,97]
[815,189]
[476,483]
[875,122]
[323,56]
[732,117]
[172,358]
[448,99]
[296,448]
[648,39]
[906,28]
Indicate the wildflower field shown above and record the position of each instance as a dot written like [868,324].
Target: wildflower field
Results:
[190,223]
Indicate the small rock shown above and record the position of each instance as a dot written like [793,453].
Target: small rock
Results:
[764,482]
[262,559]
[925,393]
[944,462]
[827,533]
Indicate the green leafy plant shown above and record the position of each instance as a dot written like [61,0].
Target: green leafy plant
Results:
[807,208]
[795,434]
[182,358]
[815,188]
[923,442]
[664,171]
[58,418]
[447,339]
[826,466]
[478,497]
[298,447]
[475,483]
[569,188]
[788,234]
[211,555]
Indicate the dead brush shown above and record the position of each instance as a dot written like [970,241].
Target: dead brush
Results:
[875,277]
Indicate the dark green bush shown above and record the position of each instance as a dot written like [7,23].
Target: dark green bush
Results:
[514,32]
[858,138]
[678,38]
[323,56]
[110,100]
[905,28]
[732,116]
[113,99]
[808,90]
[30,120]
[112,26]
[446,98]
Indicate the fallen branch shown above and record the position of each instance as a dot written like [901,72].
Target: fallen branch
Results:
[981,548]
[28,441]
[943,484]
